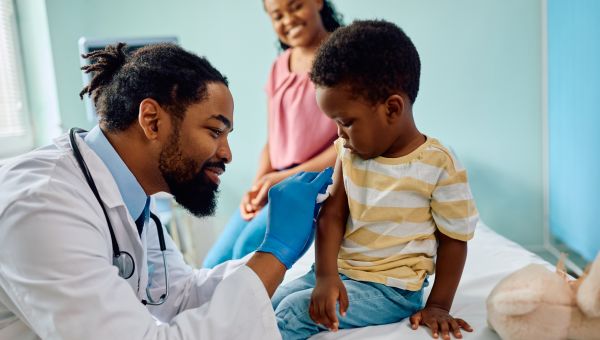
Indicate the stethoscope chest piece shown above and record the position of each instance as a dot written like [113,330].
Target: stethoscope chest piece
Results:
[124,262]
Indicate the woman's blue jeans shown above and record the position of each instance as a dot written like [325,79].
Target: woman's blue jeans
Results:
[239,238]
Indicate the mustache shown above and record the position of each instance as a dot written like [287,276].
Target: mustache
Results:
[219,165]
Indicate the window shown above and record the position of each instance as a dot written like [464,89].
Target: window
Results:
[15,131]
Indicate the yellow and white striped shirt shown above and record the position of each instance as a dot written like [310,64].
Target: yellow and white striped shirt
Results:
[396,205]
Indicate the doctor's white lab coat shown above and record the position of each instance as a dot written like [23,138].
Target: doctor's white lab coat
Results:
[57,280]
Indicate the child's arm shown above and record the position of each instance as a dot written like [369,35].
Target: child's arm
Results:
[331,225]
[330,232]
[456,216]
[450,262]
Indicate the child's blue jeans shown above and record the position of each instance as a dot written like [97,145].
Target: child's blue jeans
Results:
[239,238]
[370,304]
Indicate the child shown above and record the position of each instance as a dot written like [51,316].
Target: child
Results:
[399,198]
[301,26]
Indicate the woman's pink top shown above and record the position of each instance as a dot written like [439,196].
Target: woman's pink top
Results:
[298,129]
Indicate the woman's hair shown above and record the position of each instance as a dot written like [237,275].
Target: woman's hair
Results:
[167,73]
[375,58]
[331,19]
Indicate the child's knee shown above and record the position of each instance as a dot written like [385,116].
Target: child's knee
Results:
[279,295]
[293,319]
[293,306]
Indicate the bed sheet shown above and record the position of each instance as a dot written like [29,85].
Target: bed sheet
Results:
[491,257]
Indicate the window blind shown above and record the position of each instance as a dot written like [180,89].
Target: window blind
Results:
[12,96]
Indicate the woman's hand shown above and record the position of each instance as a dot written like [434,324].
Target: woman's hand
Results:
[260,189]
[247,209]
[256,198]
[328,290]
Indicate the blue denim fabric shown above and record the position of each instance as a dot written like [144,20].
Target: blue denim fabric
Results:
[370,304]
[239,238]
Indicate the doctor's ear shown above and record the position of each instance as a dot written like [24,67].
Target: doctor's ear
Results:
[149,117]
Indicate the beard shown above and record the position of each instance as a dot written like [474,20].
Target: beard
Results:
[187,181]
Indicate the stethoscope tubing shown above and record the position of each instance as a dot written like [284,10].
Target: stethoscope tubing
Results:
[117,253]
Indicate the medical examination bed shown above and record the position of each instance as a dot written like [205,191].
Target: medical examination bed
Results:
[491,257]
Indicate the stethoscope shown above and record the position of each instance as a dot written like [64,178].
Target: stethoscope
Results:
[121,259]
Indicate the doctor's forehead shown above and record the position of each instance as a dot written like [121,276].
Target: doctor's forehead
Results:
[217,105]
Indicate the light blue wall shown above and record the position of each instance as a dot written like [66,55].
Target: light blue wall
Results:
[574,120]
[480,89]
[40,78]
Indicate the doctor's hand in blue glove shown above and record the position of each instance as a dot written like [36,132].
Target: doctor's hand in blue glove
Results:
[293,208]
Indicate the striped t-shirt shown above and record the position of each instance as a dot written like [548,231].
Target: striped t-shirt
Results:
[396,205]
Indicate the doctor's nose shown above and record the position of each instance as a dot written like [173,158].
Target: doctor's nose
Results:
[224,152]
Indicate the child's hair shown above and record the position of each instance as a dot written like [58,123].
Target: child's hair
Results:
[166,73]
[375,58]
[330,17]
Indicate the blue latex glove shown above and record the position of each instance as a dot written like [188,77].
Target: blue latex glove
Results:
[293,207]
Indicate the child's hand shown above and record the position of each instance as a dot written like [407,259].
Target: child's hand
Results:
[327,291]
[438,319]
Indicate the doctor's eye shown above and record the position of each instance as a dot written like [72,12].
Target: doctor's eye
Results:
[216,133]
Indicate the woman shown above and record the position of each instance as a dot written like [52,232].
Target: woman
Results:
[300,135]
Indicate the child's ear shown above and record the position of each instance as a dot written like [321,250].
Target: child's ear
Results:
[395,106]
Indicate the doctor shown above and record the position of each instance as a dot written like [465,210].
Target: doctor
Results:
[80,255]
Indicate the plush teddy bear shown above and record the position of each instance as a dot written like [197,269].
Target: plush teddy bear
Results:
[535,303]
